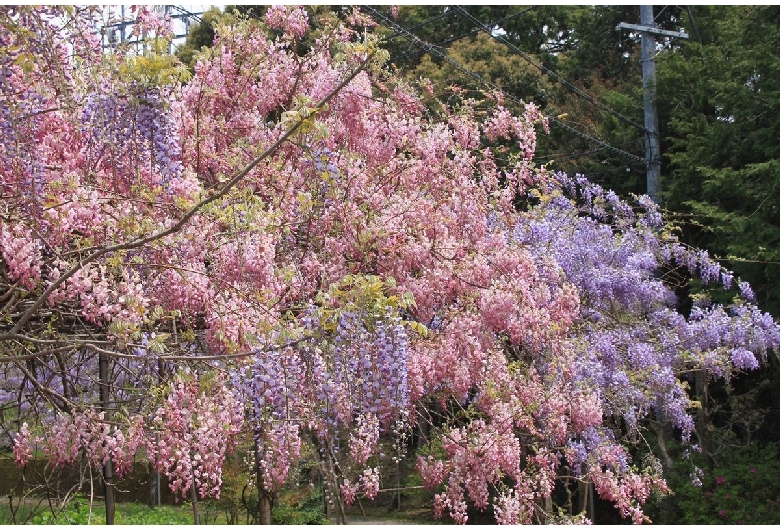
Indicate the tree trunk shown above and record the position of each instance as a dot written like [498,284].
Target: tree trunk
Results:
[108,478]
[108,468]
[195,507]
[703,427]
[661,431]
[264,506]
[543,515]
[587,502]
[263,496]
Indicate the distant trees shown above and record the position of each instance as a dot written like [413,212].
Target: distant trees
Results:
[721,99]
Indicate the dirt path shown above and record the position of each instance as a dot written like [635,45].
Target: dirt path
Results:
[371,520]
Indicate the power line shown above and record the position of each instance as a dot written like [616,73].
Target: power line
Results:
[461,36]
[569,155]
[693,23]
[544,69]
[494,23]
[447,13]
[595,140]
[429,48]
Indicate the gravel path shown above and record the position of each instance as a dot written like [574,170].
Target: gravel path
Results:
[372,521]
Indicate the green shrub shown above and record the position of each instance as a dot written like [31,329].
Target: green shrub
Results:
[302,505]
[743,489]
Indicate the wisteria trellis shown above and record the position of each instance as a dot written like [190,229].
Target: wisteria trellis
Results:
[374,270]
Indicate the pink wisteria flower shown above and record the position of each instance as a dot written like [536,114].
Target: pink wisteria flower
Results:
[23,443]
[150,20]
[291,20]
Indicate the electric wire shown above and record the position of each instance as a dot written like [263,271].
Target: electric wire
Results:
[693,23]
[566,156]
[661,12]
[544,69]
[446,14]
[461,36]
[429,48]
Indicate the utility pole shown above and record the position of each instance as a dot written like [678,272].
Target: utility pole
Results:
[652,136]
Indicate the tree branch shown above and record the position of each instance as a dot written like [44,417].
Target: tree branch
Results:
[27,315]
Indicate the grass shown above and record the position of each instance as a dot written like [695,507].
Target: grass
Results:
[294,506]
[297,503]
[293,509]
[77,511]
